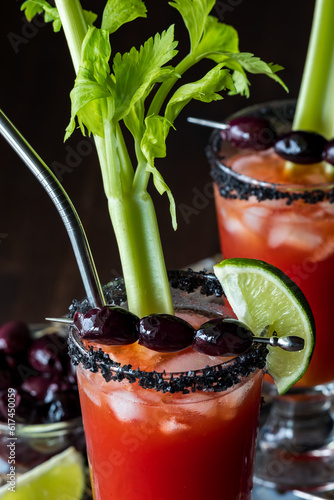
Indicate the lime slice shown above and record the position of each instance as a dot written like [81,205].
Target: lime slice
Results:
[262,295]
[62,476]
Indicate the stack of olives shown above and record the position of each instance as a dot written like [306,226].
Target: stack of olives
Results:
[112,325]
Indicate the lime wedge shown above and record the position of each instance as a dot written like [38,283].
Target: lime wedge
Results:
[262,295]
[62,476]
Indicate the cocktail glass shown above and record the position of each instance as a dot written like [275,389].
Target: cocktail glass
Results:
[182,426]
[265,211]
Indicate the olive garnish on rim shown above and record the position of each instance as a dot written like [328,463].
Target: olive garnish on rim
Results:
[251,132]
[166,333]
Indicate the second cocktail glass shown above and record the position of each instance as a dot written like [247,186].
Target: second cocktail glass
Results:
[265,211]
[181,426]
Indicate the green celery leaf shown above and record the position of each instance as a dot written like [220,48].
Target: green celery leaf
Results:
[95,53]
[241,83]
[250,63]
[194,14]
[153,145]
[204,90]
[92,84]
[84,105]
[134,120]
[217,37]
[90,17]
[118,12]
[136,71]
[34,7]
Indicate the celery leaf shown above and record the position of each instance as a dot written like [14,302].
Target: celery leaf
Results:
[84,95]
[217,37]
[245,61]
[92,83]
[205,90]
[136,71]
[194,14]
[34,7]
[118,12]
[153,145]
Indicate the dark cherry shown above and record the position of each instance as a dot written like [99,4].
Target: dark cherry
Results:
[165,333]
[249,132]
[48,354]
[107,325]
[39,386]
[328,154]
[14,337]
[26,410]
[222,337]
[60,385]
[6,379]
[65,405]
[301,147]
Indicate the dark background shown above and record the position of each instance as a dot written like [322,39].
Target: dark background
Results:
[38,273]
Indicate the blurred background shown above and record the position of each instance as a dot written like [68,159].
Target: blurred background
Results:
[38,273]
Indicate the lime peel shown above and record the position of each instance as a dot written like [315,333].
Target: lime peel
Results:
[62,476]
[261,296]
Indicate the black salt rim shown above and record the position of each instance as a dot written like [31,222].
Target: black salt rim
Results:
[233,185]
[216,378]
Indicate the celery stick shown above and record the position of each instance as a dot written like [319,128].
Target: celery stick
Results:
[315,106]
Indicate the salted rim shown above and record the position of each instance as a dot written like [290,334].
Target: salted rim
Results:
[233,185]
[215,378]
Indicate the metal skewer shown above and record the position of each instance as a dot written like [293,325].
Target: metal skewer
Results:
[62,321]
[64,206]
[287,343]
[208,123]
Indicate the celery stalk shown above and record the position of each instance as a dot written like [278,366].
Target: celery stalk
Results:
[315,106]
[132,213]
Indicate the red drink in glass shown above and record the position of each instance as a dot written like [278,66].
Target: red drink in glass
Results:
[293,230]
[181,442]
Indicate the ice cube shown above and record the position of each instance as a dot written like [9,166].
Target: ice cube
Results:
[230,403]
[92,394]
[234,225]
[255,217]
[126,405]
[188,360]
[278,235]
[293,236]
[173,425]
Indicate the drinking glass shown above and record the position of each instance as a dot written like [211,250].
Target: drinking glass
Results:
[182,425]
[266,211]
[36,443]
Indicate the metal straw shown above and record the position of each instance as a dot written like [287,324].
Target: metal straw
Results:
[208,123]
[64,206]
